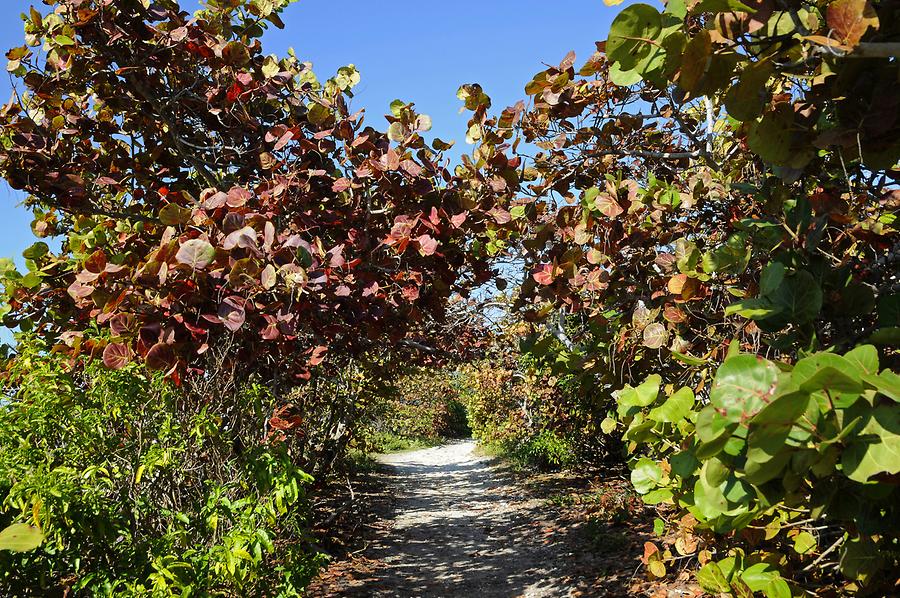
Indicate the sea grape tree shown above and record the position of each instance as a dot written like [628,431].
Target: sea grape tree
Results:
[201,189]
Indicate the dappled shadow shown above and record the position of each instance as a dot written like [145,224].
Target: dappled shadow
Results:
[459,526]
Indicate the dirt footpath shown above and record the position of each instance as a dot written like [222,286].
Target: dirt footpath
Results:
[462,527]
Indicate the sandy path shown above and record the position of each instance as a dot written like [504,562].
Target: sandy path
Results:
[461,528]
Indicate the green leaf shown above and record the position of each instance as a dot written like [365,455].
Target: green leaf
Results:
[687,256]
[777,588]
[770,138]
[758,576]
[829,372]
[627,34]
[684,464]
[800,298]
[887,383]
[646,475]
[753,309]
[660,495]
[608,425]
[20,537]
[641,396]
[804,543]
[860,559]
[889,310]
[876,448]
[675,408]
[173,214]
[711,578]
[744,384]
[318,114]
[772,277]
[730,258]
[886,336]
[687,359]
[747,98]
[64,40]
[865,358]
[36,251]
[716,6]
[397,132]
[196,253]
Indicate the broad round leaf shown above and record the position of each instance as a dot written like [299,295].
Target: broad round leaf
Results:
[743,385]
[196,253]
[116,356]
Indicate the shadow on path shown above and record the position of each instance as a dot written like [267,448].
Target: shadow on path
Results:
[462,527]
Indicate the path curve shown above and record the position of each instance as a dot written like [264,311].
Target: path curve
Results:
[462,527]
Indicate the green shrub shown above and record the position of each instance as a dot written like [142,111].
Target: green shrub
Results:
[800,452]
[143,488]
[546,451]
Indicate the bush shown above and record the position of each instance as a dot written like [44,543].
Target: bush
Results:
[143,488]
[800,453]
[546,451]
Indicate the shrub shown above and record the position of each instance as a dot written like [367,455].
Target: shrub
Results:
[803,453]
[142,488]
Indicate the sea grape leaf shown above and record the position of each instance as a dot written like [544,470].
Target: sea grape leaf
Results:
[675,408]
[711,578]
[627,34]
[196,253]
[829,372]
[850,19]
[646,475]
[743,385]
[875,449]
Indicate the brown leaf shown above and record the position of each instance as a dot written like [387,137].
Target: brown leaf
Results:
[850,19]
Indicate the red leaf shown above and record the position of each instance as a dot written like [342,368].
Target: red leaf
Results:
[318,355]
[607,205]
[543,274]
[459,219]
[232,313]
[501,216]
[340,185]
[427,245]
[116,356]
[283,141]
[160,357]
[122,324]
[237,197]
[244,238]
[80,291]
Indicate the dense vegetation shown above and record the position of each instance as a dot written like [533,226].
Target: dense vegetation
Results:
[681,256]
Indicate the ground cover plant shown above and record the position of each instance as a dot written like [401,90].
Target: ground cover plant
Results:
[691,239]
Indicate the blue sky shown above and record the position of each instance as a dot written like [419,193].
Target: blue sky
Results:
[415,50]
